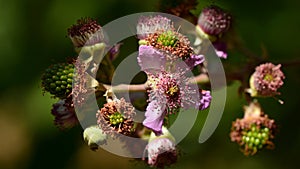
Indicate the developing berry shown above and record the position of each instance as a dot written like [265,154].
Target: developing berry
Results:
[57,79]
[253,132]
[167,39]
[255,139]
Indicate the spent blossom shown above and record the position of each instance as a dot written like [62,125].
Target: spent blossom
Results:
[266,80]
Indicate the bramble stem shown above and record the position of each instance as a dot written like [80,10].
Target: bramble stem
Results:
[201,78]
[126,87]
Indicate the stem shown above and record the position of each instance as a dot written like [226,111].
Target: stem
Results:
[201,78]
[126,87]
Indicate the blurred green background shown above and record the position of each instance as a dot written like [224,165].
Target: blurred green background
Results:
[34,36]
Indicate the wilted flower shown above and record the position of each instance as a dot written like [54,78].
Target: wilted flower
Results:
[64,113]
[85,32]
[116,116]
[266,80]
[161,150]
[94,137]
[255,131]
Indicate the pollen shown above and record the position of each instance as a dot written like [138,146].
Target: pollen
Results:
[172,90]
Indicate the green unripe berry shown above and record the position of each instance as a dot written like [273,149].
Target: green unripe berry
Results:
[265,136]
[247,139]
[58,79]
[116,118]
[266,130]
[259,136]
[167,39]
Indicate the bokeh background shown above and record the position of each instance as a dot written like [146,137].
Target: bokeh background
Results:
[34,36]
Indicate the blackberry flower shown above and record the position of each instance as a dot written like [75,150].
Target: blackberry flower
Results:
[255,131]
[173,44]
[167,94]
[116,116]
[161,150]
[213,21]
[151,24]
[160,33]
[94,137]
[64,113]
[85,32]
[169,88]
[266,80]
[57,80]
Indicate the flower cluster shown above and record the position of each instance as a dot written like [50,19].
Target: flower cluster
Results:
[170,62]
[166,56]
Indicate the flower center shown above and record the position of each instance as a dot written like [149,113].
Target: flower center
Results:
[268,77]
[167,39]
[172,91]
[116,118]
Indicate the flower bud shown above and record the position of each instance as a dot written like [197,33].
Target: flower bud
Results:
[161,150]
[64,113]
[213,22]
[85,32]
[94,136]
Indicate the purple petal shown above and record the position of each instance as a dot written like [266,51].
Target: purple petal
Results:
[221,49]
[154,117]
[114,51]
[150,59]
[205,100]
[194,60]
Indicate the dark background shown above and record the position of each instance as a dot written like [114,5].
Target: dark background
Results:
[33,35]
